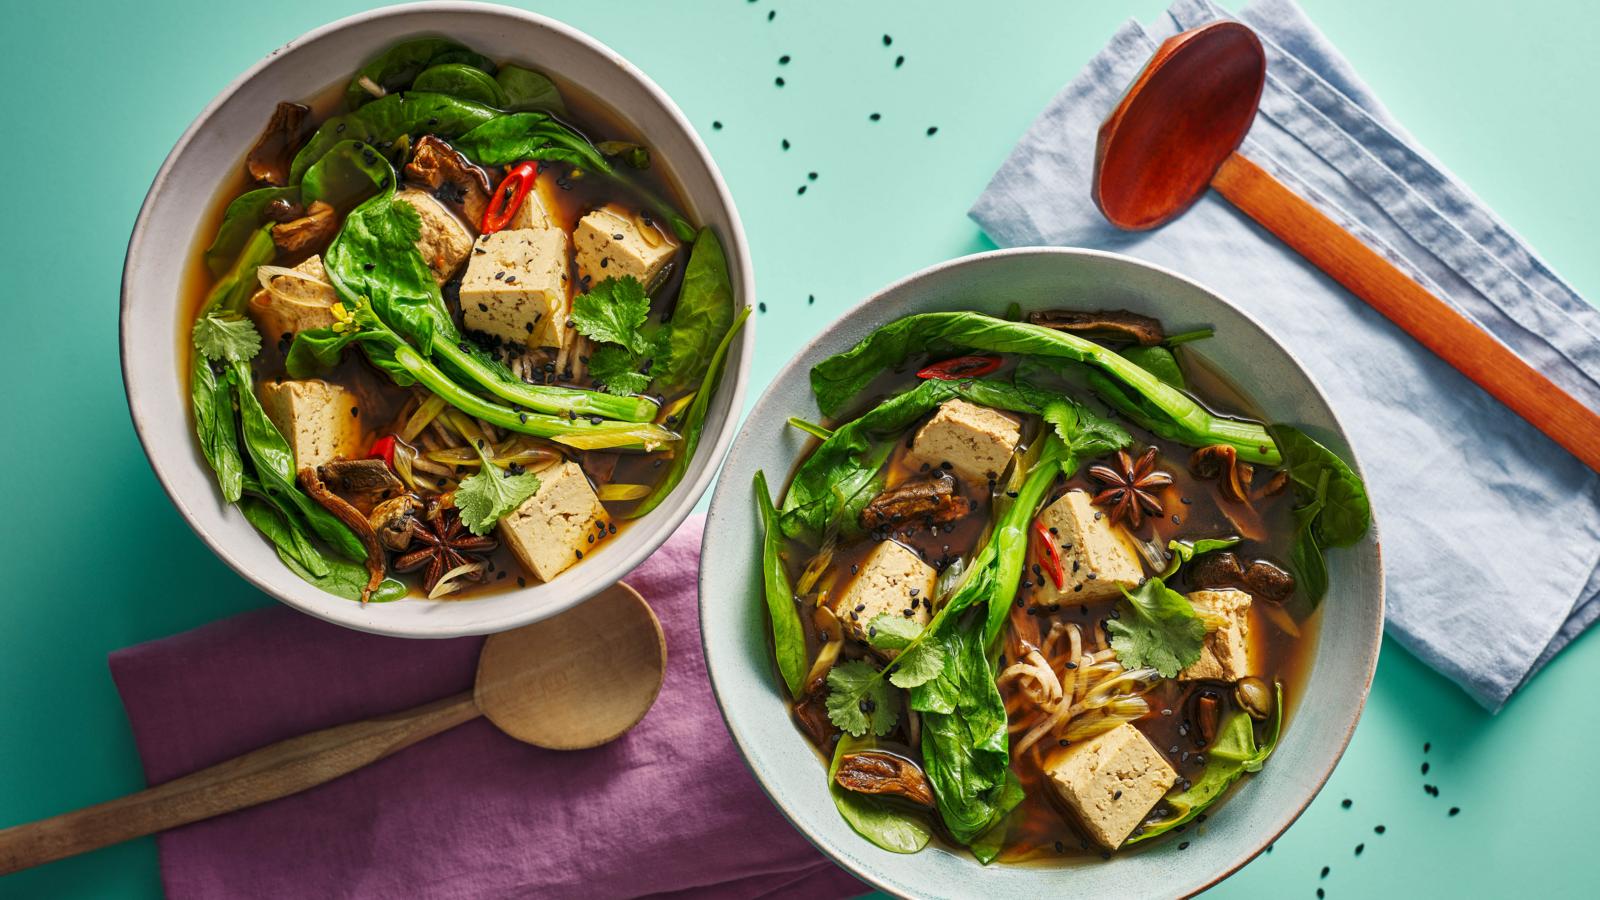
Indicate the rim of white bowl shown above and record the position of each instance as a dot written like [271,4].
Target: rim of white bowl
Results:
[685,496]
[827,336]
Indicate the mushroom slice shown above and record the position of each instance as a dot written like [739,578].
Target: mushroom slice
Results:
[1221,462]
[1102,324]
[393,519]
[312,483]
[812,714]
[932,499]
[451,177]
[1223,569]
[884,774]
[312,231]
[269,160]
[358,476]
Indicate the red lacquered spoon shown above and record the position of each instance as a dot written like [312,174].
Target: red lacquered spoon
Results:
[1177,132]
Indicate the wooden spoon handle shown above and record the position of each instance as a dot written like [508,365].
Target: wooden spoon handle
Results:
[274,771]
[1451,336]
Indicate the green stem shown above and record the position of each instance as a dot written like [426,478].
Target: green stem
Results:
[811,428]
[1011,537]
[551,399]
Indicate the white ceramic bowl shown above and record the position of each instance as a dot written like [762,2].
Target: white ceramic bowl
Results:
[210,153]
[734,620]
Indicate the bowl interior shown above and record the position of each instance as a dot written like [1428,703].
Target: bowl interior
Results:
[733,619]
[208,155]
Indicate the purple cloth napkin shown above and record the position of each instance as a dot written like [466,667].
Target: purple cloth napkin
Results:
[668,810]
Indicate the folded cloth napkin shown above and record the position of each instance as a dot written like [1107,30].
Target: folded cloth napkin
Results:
[1491,532]
[667,810]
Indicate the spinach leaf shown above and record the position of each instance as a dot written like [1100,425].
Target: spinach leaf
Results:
[788,634]
[340,578]
[837,379]
[1158,629]
[1185,551]
[529,91]
[395,68]
[215,426]
[375,257]
[285,532]
[886,825]
[693,423]
[274,465]
[1234,754]
[1346,513]
[384,121]
[965,750]
[1333,509]
[461,80]
[702,314]
[240,222]
[232,291]
[859,700]
[345,175]
[1158,361]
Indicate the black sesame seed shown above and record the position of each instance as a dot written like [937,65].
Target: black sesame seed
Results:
[875,116]
[1359,848]
[899,61]
[1184,845]
[783,60]
[578,553]
[1426,747]
[1379,830]
[1455,810]
[1346,803]
[887,40]
[802,189]
[762,306]
[785,143]
[1060,847]
[771,14]
[810,299]
[1424,768]
[933,130]
[1325,871]
[1321,893]
[716,126]
[521,582]
[778,81]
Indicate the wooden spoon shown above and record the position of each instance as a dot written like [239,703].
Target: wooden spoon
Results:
[573,681]
[1176,133]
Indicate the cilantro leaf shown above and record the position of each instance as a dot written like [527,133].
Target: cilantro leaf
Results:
[488,496]
[1158,629]
[617,369]
[226,338]
[1085,434]
[613,312]
[919,661]
[860,701]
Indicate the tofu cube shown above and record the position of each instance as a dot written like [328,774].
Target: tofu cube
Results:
[294,304]
[1109,783]
[892,580]
[975,441]
[1097,558]
[515,288]
[542,207]
[611,243]
[321,420]
[552,529]
[1227,654]
[445,241]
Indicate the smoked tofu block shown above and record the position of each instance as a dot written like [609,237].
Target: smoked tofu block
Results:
[611,243]
[320,420]
[558,525]
[1097,558]
[892,580]
[1227,654]
[542,208]
[974,441]
[515,288]
[294,304]
[445,241]
[1109,783]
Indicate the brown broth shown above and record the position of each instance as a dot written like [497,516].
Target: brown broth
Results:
[382,403]
[1039,832]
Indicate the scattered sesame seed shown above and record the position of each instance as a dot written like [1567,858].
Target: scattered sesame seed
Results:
[716,126]
[783,60]
[785,143]
[810,299]
[899,61]
[1424,768]
[1379,830]
[1184,845]
[762,306]
[1325,871]
[1455,810]
[875,116]
[811,176]
[771,14]
[1346,803]
[887,40]
[801,191]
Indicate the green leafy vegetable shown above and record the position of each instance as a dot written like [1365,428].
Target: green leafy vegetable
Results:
[1159,361]
[693,422]
[491,494]
[837,379]
[382,122]
[1185,551]
[347,174]
[700,317]
[529,91]
[278,522]
[613,312]
[227,339]
[1158,629]
[461,80]
[245,216]
[1232,755]
[617,369]
[216,427]
[1083,434]
[886,825]
[788,634]
[859,701]
[395,68]
[1333,509]
[918,663]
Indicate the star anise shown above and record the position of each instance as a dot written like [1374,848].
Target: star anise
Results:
[446,544]
[1130,488]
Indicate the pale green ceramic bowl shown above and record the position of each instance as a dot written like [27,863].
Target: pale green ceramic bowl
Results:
[734,622]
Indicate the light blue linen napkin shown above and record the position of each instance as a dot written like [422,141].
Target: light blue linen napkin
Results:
[1491,532]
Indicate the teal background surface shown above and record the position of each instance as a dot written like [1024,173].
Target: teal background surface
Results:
[96,558]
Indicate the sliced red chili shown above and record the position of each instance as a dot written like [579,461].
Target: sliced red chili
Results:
[961,367]
[508,196]
[1044,547]
[383,448]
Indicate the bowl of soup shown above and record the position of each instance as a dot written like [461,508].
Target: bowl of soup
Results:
[1042,571]
[434,321]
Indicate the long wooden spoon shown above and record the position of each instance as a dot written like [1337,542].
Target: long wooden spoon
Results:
[553,684]
[1176,133]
